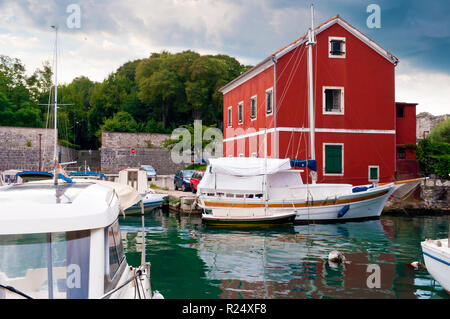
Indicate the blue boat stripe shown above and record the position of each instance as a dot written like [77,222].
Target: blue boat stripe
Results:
[438,259]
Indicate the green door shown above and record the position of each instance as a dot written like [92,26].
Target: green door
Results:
[333,159]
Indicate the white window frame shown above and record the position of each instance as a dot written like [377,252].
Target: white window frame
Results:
[344,47]
[230,155]
[230,116]
[265,102]
[254,154]
[241,155]
[324,158]
[378,173]
[324,101]
[254,97]
[241,107]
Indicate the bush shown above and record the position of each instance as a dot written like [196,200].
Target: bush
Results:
[434,157]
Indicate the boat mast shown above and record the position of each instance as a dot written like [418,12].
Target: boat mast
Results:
[310,43]
[265,171]
[55,151]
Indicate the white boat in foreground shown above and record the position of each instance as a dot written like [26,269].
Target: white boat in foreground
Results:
[247,189]
[436,254]
[64,241]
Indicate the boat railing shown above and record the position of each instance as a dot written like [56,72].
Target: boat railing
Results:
[138,284]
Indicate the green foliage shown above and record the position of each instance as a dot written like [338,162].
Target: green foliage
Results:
[434,157]
[197,167]
[120,122]
[441,132]
[152,95]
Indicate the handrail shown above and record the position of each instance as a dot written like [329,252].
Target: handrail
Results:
[109,293]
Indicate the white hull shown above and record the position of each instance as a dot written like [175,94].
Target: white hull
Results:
[366,204]
[437,261]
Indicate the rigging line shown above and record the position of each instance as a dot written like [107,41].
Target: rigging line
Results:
[50,94]
[292,74]
[293,71]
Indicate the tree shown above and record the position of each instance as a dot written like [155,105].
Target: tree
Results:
[433,152]
[120,122]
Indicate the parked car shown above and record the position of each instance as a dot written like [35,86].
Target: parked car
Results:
[195,180]
[151,173]
[182,180]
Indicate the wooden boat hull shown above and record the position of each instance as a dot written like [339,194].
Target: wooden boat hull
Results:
[262,221]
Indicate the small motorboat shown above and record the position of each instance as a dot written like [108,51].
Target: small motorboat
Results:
[150,200]
[137,178]
[436,254]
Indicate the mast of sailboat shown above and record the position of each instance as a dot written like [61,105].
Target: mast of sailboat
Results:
[55,150]
[311,114]
[265,172]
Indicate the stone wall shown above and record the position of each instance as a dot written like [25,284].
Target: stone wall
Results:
[136,140]
[425,122]
[19,148]
[115,152]
[430,195]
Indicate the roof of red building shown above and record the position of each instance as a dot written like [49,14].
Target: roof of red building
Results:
[267,62]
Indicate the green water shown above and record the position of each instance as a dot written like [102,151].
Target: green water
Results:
[190,260]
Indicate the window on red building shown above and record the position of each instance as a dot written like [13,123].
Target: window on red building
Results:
[400,111]
[333,100]
[229,116]
[240,112]
[333,159]
[253,108]
[336,47]
[269,101]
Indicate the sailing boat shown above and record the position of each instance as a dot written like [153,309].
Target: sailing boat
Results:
[241,190]
[61,239]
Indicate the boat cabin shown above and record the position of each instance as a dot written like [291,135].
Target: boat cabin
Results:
[62,241]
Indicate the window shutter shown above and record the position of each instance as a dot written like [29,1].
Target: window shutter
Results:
[333,159]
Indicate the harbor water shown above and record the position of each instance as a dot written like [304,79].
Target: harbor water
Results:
[192,261]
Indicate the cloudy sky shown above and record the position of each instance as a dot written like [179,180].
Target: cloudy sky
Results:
[112,32]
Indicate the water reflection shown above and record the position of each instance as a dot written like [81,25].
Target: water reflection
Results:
[285,262]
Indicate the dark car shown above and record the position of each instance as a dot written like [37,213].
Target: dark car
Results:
[182,180]
[195,180]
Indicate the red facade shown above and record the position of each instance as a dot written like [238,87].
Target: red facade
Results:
[407,165]
[355,111]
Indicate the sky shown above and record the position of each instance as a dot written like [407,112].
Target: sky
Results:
[98,36]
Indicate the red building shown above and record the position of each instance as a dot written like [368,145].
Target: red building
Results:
[355,112]
[407,165]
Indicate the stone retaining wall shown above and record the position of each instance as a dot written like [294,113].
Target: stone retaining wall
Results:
[115,152]
[19,148]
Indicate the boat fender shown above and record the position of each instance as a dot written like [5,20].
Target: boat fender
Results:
[343,211]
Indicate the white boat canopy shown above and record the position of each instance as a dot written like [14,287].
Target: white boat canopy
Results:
[248,166]
[246,174]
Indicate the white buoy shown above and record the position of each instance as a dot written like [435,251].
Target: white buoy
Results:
[336,257]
